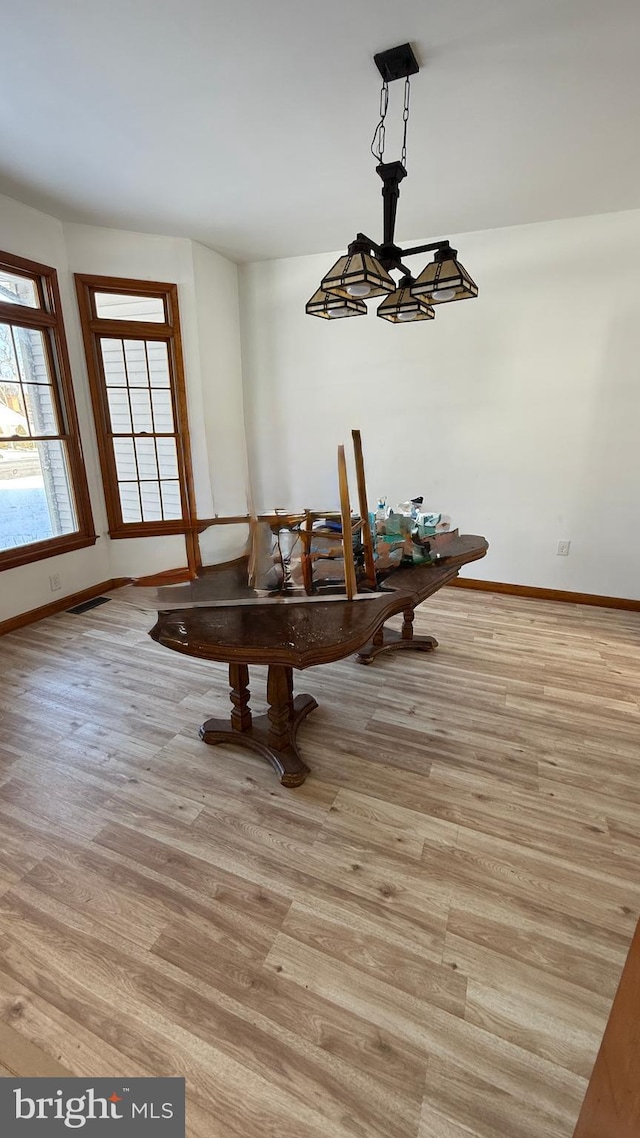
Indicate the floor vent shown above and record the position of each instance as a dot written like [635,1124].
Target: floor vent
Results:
[90,604]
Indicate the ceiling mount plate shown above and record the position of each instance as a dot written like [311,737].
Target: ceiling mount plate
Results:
[396,62]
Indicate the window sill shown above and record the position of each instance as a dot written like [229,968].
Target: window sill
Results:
[150,529]
[38,551]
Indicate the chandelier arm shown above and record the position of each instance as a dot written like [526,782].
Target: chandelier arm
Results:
[395,265]
[430,248]
[389,255]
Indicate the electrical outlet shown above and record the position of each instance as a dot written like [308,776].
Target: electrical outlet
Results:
[55,582]
[563,548]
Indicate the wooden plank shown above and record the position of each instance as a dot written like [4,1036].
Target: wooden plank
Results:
[306,535]
[363,506]
[345,512]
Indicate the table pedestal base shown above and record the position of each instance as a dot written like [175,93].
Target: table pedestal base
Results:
[272,736]
[388,640]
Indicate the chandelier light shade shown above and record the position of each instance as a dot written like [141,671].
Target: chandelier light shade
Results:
[365,270]
[358,274]
[400,306]
[444,279]
[331,307]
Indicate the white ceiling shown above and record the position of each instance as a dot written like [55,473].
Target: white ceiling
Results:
[246,124]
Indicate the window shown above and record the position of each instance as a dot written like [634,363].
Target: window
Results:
[44,499]
[132,341]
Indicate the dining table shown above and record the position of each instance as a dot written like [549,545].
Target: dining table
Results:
[287,633]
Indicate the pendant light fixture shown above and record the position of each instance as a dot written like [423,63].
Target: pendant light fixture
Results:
[444,279]
[366,269]
[357,274]
[401,306]
[331,307]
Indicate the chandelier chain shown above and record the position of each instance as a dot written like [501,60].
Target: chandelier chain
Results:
[378,140]
[405,119]
[379,134]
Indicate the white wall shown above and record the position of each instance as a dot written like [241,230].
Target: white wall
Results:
[209,315]
[29,233]
[218,316]
[518,413]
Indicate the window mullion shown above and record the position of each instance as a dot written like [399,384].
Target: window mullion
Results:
[133,434]
[36,438]
[60,408]
[23,394]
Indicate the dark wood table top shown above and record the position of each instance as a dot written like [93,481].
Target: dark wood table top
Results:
[309,632]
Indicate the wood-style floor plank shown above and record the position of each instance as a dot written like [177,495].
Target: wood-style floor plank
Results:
[21,1057]
[423,941]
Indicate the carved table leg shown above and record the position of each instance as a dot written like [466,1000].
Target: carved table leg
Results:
[280,700]
[273,736]
[388,640]
[240,694]
[407,624]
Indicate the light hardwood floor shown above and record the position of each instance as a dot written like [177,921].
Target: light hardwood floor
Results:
[423,940]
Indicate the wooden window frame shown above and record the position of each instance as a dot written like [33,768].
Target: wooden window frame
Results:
[48,319]
[95,327]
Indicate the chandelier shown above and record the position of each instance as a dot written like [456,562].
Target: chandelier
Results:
[365,270]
